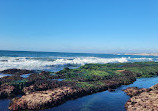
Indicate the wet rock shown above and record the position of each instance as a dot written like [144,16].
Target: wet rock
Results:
[41,99]
[17,71]
[4,60]
[146,101]
[7,91]
[133,91]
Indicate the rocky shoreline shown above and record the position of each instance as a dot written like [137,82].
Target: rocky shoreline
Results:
[56,92]
[41,89]
[142,99]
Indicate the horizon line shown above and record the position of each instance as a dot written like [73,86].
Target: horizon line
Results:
[74,52]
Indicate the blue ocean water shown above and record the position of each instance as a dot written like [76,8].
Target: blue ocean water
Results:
[55,61]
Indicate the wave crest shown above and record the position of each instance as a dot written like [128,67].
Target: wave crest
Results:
[35,63]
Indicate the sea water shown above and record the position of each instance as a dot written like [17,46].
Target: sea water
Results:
[55,61]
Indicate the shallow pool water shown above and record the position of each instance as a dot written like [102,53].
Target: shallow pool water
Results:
[25,75]
[3,75]
[58,79]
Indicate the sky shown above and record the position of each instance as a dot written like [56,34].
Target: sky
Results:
[93,26]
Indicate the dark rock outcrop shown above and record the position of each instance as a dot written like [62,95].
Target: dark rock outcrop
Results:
[7,79]
[17,71]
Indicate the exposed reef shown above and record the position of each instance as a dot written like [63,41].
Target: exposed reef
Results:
[87,79]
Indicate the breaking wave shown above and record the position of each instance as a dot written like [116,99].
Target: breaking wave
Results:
[42,63]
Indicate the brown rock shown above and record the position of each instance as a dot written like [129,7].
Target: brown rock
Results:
[146,101]
[6,91]
[133,91]
[41,99]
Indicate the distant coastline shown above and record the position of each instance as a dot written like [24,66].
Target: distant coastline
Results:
[145,54]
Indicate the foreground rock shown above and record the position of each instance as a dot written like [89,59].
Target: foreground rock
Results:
[6,91]
[44,94]
[17,71]
[142,99]
[146,101]
[41,99]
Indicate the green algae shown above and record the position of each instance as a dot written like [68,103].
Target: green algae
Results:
[93,75]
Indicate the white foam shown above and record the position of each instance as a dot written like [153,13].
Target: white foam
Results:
[85,60]
[32,63]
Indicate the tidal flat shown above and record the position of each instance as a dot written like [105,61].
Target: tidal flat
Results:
[42,90]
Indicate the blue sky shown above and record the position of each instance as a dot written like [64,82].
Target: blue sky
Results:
[96,26]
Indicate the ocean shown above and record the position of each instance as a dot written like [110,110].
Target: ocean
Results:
[55,61]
